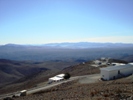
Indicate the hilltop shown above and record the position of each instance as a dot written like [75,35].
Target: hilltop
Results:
[84,68]
[77,90]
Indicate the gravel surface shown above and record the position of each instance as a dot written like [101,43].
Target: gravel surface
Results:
[89,79]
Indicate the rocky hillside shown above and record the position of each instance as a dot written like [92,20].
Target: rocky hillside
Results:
[84,68]
[11,70]
[18,75]
[14,70]
[121,89]
[33,80]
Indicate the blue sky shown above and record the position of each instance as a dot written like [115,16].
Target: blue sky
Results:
[50,21]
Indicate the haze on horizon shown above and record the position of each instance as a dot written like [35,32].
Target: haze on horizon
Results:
[55,21]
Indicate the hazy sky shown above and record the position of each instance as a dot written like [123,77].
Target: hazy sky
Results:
[49,21]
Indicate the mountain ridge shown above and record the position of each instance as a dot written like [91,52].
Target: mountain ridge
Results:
[65,51]
[72,45]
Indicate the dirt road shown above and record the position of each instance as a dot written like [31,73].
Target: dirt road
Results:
[82,79]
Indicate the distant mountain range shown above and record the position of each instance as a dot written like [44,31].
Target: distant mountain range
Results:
[87,45]
[22,61]
[81,51]
[75,45]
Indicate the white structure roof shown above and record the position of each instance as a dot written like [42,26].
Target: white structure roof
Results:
[116,64]
[97,61]
[131,63]
[57,77]
[111,68]
[60,75]
[23,91]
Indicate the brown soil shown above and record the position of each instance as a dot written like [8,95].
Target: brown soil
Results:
[102,90]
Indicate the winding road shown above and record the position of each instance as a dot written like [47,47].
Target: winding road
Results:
[82,79]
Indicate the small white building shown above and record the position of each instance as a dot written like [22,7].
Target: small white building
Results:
[56,78]
[114,72]
[23,93]
[98,62]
